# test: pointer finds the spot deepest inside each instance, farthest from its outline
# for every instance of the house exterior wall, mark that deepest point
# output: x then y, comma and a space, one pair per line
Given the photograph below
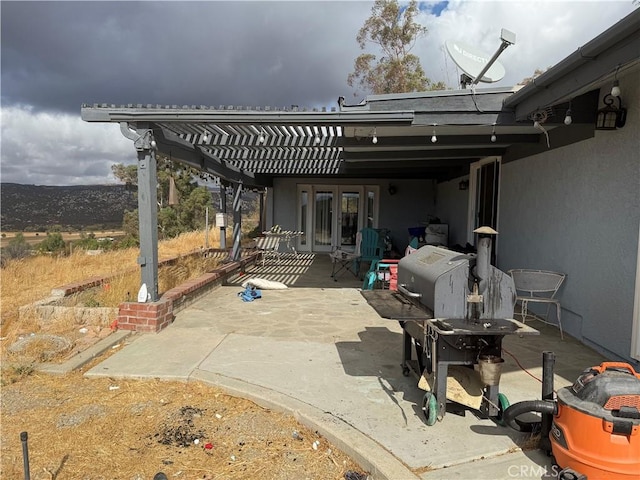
576, 210
412, 203
452, 207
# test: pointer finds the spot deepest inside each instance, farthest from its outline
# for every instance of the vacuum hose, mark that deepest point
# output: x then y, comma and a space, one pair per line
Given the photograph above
540, 406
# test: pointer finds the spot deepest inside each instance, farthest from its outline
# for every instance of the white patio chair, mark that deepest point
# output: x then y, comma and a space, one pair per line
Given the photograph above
269, 247
537, 286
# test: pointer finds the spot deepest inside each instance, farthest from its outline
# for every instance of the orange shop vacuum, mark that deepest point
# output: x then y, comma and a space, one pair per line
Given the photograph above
592, 428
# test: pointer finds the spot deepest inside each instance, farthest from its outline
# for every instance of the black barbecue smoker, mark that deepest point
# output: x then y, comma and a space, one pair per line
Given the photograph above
454, 310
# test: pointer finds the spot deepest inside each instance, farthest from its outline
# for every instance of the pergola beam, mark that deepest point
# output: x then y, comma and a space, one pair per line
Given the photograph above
181, 150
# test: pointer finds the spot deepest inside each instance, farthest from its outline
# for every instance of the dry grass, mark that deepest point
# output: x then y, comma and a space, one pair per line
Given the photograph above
29, 279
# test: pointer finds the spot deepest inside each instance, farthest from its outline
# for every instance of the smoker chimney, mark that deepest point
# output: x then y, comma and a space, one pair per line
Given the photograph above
483, 261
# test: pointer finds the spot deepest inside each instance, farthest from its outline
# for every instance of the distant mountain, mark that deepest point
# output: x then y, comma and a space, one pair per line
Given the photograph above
36, 207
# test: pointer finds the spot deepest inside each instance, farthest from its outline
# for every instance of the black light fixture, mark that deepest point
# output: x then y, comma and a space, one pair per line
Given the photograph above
392, 189
463, 185
611, 116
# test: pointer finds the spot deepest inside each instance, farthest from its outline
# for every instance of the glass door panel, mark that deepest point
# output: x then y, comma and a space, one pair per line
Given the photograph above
371, 219
303, 219
323, 224
349, 218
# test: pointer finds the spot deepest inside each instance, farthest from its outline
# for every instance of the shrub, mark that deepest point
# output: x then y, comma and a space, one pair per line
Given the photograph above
129, 241
17, 248
54, 243
87, 242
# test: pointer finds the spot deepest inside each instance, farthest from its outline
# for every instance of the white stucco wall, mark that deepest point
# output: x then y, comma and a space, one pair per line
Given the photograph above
576, 210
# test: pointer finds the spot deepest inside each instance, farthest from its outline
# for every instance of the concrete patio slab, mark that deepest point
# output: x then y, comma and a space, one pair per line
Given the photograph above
169, 355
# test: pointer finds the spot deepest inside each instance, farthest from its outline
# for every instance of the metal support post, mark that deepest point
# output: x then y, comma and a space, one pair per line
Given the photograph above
261, 226
223, 209
206, 228
237, 221
145, 145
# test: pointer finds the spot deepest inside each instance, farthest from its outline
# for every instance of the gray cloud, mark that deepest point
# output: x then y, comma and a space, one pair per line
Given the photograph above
57, 55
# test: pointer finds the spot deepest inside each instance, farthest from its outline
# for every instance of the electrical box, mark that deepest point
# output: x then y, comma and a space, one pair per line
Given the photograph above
221, 220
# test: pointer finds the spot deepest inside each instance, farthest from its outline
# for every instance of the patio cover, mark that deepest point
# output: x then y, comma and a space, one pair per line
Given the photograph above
253, 145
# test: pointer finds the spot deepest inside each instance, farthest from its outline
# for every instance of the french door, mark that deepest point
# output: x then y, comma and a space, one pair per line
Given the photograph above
330, 216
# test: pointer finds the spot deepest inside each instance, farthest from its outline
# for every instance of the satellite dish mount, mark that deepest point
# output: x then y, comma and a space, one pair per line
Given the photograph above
475, 64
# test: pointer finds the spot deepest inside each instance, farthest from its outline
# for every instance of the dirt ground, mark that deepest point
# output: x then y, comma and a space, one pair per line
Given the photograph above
81, 428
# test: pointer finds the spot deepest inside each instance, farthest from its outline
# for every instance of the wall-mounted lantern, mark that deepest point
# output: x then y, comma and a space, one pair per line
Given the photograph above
611, 116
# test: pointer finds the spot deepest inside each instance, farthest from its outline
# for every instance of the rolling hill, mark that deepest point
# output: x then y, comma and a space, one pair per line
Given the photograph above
37, 207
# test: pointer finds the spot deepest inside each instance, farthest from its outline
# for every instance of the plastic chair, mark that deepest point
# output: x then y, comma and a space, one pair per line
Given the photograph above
537, 286
371, 248
384, 273
343, 259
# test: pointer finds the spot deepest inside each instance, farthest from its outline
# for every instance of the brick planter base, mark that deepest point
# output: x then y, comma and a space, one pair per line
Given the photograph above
145, 317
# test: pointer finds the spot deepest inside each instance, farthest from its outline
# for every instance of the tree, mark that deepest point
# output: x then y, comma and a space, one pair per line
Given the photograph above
395, 31
173, 219
54, 243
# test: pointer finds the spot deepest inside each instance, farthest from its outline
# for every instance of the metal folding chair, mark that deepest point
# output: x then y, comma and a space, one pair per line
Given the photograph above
344, 260
269, 247
537, 286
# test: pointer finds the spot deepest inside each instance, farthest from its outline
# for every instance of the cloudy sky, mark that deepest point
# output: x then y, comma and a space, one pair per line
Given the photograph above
58, 55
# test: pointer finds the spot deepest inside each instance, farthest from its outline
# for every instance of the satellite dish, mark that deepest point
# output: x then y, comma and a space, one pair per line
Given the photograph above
472, 61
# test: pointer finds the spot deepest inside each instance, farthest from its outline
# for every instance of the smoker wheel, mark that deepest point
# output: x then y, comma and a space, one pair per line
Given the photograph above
503, 404
430, 408
406, 371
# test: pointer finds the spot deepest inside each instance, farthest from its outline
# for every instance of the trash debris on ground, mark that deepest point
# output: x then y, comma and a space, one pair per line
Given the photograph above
351, 475
249, 294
